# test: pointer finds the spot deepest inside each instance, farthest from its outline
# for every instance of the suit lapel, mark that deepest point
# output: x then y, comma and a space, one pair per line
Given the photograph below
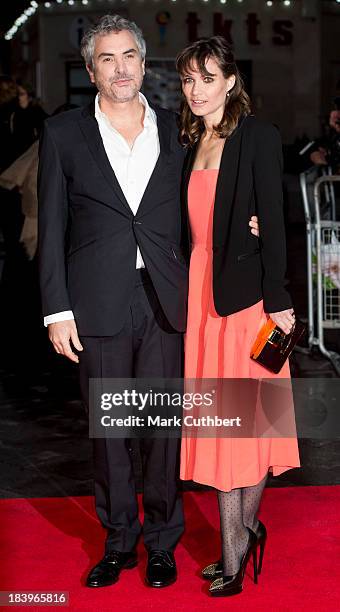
164, 135
227, 181
188, 164
90, 129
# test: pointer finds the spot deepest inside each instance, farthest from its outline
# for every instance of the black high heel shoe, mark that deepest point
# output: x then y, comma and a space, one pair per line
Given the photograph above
215, 570
261, 534
232, 585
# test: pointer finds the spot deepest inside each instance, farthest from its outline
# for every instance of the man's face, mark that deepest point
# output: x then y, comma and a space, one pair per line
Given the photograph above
118, 68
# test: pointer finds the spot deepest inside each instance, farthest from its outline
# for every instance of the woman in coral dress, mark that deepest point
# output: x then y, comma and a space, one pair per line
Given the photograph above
235, 283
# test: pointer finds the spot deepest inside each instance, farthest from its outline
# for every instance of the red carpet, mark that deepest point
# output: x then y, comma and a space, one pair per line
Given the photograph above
50, 544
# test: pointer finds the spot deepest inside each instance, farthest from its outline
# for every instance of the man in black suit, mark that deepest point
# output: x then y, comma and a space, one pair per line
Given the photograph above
114, 278
108, 181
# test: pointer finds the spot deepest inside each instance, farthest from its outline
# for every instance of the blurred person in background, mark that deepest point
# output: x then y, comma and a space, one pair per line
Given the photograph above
26, 119
21, 123
10, 215
8, 93
11, 218
19, 184
21, 119
20, 181
22, 175
326, 150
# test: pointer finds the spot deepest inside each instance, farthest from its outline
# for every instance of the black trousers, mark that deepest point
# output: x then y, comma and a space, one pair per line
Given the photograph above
147, 346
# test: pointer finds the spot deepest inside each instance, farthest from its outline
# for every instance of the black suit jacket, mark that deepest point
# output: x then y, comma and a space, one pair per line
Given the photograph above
88, 234
245, 268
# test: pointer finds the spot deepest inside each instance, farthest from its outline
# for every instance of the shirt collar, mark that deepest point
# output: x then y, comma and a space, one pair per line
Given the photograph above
150, 119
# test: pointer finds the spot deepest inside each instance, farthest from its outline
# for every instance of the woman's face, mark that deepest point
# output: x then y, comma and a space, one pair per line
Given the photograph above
206, 94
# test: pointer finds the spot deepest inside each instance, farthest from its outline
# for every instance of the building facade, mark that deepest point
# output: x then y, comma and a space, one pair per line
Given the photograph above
287, 51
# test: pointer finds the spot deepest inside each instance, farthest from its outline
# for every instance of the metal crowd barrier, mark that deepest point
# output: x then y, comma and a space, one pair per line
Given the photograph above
323, 257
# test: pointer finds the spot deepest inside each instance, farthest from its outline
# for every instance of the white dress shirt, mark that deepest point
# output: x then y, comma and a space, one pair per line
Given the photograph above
133, 168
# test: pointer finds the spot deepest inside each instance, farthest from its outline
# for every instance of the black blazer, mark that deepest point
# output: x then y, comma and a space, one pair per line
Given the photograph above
88, 234
245, 268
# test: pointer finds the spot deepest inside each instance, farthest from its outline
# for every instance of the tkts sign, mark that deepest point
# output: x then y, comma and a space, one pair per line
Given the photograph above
282, 33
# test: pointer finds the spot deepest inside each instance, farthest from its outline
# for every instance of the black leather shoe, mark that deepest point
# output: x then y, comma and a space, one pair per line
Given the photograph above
107, 571
215, 570
161, 569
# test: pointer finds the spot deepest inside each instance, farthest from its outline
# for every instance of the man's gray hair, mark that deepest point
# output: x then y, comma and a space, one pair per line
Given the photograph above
106, 25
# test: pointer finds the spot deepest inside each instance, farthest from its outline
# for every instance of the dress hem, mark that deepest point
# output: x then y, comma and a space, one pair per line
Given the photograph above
275, 469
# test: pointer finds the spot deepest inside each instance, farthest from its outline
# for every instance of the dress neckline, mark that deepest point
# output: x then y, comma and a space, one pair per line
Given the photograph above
206, 170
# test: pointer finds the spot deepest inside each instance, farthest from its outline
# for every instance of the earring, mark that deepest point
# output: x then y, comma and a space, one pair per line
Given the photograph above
228, 94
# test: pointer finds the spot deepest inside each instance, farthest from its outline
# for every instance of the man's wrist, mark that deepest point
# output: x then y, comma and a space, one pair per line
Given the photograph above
65, 315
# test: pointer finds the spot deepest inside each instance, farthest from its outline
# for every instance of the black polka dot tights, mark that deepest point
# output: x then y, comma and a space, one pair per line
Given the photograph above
238, 510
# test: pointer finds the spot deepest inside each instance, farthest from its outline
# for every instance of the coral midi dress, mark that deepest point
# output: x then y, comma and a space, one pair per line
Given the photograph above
219, 347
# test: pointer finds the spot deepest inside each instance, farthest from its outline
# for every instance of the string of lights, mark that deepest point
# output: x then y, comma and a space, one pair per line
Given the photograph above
34, 6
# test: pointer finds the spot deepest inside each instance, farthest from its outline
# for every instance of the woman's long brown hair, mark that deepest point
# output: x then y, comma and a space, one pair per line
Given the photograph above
237, 103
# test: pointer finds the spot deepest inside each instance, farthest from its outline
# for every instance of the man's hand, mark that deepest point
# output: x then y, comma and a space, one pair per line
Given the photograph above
284, 319
254, 224
319, 157
60, 335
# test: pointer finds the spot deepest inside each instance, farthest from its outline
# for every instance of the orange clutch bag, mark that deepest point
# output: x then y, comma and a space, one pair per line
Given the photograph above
272, 346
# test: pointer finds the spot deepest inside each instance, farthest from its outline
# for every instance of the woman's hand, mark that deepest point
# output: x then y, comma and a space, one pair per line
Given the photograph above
284, 319
254, 224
